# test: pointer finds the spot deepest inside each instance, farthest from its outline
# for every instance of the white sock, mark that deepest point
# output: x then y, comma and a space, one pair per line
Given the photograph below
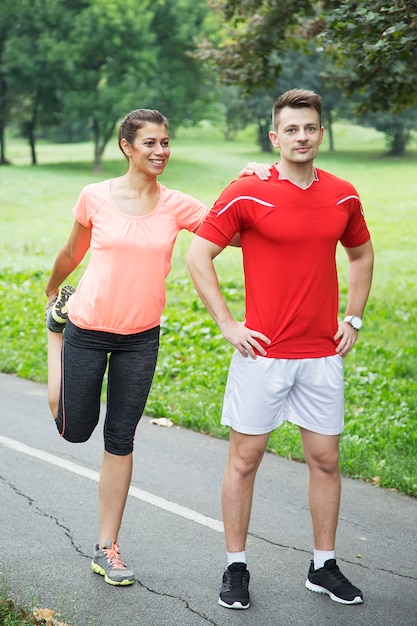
321, 556
236, 557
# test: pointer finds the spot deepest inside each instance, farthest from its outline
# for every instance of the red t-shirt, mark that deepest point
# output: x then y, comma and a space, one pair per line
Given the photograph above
289, 237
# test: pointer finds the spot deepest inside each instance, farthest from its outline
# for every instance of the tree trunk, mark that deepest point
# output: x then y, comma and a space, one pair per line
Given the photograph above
4, 111
98, 153
32, 142
99, 148
3, 160
329, 119
30, 133
263, 128
399, 141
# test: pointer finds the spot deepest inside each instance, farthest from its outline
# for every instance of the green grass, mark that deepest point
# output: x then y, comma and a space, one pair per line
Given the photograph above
10, 615
380, 442
13, 614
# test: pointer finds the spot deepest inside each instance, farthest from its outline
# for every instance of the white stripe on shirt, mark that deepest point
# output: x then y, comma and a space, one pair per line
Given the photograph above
243, 198
348, 198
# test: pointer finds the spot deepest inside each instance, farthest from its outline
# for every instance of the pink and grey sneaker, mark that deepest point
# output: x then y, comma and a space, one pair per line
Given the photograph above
107, 562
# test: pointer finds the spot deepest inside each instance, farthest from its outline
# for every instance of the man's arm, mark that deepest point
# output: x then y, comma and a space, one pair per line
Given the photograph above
361, 262
200, 264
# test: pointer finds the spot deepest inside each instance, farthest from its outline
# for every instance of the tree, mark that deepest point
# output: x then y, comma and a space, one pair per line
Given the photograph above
86, 54
235, 111
114, 62
7, 20
35, 64
397, 128
255, 36
183, 86
374, 42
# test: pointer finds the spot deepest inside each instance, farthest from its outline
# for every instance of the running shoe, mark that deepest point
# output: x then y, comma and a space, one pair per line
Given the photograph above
57, 314
329, 579
234, 593
108, 563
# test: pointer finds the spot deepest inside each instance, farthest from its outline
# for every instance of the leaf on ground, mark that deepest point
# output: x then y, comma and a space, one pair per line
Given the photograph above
161, 421
46, 617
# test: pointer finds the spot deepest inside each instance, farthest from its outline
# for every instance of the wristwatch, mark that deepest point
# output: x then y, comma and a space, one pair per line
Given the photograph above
354, 320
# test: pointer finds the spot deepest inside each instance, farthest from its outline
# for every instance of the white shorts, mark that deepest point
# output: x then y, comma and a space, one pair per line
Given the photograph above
262, 393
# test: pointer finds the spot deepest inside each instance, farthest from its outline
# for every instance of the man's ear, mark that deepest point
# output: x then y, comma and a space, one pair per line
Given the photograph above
273, 138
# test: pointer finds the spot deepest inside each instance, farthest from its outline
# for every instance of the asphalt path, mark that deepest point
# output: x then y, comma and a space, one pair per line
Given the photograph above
172, 532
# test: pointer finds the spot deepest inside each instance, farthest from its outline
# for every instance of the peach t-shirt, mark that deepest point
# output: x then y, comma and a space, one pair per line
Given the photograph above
123, 288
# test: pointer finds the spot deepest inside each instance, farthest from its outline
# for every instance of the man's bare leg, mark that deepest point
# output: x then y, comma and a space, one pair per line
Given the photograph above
322, 456
245, 455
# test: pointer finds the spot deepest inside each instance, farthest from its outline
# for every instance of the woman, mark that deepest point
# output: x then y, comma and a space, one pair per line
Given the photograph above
130, 225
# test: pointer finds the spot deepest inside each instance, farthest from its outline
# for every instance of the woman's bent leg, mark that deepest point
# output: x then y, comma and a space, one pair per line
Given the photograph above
84, 362
54, 370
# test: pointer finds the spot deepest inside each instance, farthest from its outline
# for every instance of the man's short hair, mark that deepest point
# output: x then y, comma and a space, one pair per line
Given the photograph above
296, 99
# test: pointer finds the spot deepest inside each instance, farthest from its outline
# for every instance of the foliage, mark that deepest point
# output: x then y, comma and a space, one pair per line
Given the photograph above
187, 93
61, 56
244, 55
87, 63
377, 41
111, 74
36, 63
7, 19
373, 42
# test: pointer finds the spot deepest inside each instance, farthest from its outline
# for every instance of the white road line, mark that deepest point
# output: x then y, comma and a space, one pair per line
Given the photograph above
145, 496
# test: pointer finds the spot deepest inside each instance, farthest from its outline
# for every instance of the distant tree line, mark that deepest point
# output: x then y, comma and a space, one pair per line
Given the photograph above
82, 64
69, 69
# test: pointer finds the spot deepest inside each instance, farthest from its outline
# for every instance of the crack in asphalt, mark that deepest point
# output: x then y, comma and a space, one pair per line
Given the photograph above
185, 603
308, 552
67, 533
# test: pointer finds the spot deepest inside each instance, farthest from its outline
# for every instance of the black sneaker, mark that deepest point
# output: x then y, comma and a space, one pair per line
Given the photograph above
234, 593
329, 579
56, 314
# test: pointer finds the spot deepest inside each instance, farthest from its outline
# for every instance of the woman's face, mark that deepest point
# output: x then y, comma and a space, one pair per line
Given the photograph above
150, 151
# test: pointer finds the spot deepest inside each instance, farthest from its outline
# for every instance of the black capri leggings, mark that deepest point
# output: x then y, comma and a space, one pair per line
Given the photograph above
131, 366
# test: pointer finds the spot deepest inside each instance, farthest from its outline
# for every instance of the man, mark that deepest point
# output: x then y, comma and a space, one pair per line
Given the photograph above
288, 362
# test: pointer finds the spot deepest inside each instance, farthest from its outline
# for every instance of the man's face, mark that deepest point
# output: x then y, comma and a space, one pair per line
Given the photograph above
298, 134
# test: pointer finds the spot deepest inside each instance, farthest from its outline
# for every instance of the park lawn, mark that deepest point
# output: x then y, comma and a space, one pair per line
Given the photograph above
380, 441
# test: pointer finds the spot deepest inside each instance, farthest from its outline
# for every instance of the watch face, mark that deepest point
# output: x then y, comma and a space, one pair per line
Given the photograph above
356, 322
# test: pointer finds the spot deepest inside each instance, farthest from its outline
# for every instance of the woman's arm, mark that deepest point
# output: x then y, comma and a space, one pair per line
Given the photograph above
68, 258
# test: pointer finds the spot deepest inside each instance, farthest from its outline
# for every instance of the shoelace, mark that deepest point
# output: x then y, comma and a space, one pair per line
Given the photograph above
114, 557
236, 577
335, 571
